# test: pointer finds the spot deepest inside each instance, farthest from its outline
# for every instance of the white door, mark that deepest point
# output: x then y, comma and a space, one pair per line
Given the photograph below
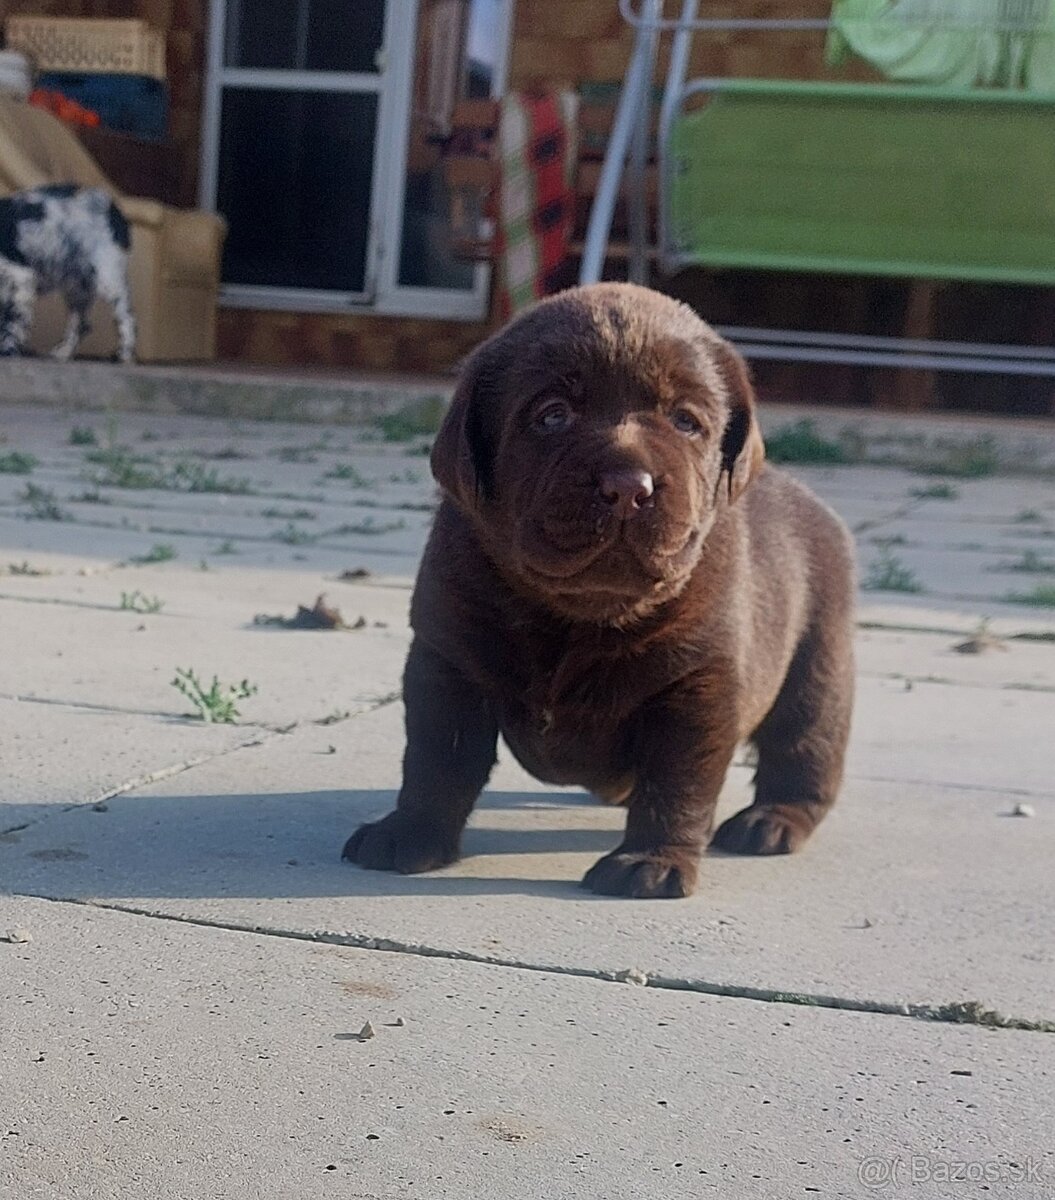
300, 104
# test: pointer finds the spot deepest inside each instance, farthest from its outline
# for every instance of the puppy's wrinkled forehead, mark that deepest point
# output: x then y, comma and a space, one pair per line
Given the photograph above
627, 346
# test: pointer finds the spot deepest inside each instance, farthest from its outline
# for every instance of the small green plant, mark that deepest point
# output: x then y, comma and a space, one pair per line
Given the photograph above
368, 526
158, 553
120, 468
409, 475
936, 491
226, 547
1030, 563
418, 418
348, 474
292, 536
24, 568
216, 705
1042, 596
82, 435
190, 476
16, 463
138, 602
290, 514
801, 443
43, 505
970, 460
90, 496
889, 574
1026, 516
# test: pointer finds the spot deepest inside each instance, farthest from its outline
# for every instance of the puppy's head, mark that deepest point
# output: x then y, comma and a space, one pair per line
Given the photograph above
592, 443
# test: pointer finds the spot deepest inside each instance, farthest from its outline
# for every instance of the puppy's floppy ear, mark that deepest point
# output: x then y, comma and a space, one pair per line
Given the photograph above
742, 448
461, 454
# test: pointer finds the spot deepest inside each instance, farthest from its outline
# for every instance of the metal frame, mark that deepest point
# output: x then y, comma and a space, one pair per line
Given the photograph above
394, 298
626, 139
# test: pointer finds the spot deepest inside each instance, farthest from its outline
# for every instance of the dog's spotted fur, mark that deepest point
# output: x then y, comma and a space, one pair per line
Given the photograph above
68, 239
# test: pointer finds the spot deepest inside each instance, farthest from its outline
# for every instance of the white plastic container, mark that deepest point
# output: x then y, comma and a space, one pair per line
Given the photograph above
16, 78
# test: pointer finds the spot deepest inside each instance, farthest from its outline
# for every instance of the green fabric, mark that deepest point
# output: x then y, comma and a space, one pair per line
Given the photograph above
868, 179
956, 43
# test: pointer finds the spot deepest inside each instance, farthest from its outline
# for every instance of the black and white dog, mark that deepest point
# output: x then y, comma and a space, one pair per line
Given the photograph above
69, 239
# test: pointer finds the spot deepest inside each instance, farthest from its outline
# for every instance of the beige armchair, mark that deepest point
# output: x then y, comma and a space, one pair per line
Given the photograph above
174, 268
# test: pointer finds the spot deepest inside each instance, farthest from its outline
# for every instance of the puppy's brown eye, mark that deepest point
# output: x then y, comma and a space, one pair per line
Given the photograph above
553, 416
685, 422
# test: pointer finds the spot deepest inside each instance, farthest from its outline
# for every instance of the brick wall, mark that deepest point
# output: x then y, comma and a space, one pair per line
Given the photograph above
577, 41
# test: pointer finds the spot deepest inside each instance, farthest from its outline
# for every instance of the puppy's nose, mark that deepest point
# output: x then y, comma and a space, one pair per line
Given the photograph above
627, 490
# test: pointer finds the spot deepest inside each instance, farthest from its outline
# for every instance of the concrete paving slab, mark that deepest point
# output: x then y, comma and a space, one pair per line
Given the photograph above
910, 892
300, 674
151, 1059
921, 657
56, 755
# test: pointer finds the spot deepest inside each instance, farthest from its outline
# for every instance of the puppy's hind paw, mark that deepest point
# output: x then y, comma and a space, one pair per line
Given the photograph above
660, 874
400, 843
765, 829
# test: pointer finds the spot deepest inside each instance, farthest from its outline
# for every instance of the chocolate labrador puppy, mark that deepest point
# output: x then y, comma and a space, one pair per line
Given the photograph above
617, 584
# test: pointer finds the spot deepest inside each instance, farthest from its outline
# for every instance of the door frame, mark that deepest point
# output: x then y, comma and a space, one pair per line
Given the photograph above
397, 50
384, 294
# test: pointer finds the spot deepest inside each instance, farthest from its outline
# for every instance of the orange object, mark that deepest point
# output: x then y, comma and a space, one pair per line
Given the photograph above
64, 108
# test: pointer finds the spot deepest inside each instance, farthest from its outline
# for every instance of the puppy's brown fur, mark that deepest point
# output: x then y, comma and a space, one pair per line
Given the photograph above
617, 584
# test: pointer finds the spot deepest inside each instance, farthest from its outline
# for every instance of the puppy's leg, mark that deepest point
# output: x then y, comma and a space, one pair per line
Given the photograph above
451, 741
113, 287
18, 294
77, 291
682, 751
801, 747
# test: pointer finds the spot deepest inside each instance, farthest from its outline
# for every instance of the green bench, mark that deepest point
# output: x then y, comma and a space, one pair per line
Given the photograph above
913, 182
924, 184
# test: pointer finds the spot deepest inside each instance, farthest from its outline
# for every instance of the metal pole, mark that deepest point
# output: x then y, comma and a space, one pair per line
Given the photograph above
677, 70
636, 83
636, 188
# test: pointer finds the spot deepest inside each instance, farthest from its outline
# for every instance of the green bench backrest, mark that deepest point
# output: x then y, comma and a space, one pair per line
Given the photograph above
867, 179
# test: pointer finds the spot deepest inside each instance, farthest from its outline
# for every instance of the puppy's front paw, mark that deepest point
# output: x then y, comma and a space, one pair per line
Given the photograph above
765, 829
400, 843
660, 874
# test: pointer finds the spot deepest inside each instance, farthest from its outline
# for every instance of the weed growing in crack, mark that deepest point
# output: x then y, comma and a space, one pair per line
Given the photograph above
889, 574
289, 514
82, 435
1029, 563
1042, 596
43, 504
138, 602
974, 459
190, 476
347, 473
24, 568
216, 705
801, 443
368, 526
158, 553
292, 536
936, 491
15, 462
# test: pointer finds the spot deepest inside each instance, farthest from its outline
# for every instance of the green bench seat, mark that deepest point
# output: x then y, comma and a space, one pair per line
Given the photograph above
870, 179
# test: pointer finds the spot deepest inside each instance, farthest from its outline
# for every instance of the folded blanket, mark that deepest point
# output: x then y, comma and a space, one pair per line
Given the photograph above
537, 150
